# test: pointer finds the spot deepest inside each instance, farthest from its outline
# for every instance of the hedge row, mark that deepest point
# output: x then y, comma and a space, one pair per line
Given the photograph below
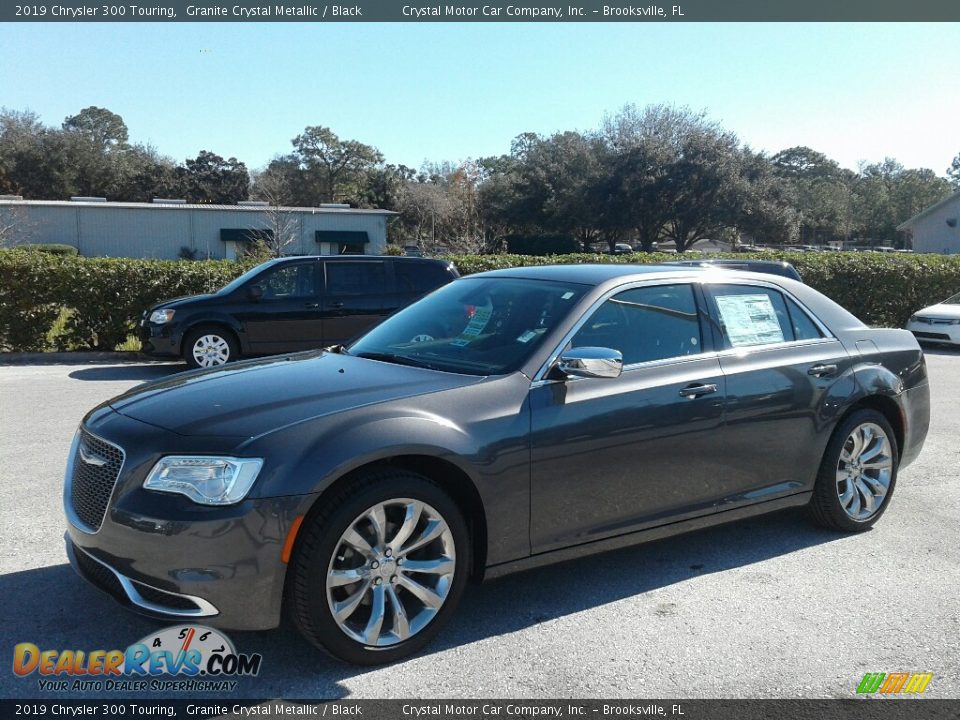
52, 301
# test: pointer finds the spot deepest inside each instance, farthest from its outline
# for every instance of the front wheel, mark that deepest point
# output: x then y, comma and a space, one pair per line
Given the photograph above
858, 473
208, 347
380, 569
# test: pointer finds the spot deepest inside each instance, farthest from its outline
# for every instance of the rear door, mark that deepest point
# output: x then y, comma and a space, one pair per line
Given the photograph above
353, 299
780, 363
288, 315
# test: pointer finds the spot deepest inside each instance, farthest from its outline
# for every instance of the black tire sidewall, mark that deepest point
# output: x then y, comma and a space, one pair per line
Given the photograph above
311, 563
830, 511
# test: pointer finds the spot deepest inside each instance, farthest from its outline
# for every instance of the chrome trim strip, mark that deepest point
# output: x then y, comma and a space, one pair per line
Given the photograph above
204, 608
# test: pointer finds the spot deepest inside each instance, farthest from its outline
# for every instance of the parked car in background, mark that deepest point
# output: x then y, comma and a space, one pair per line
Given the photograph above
289, 304
622, 249
772, 267
938, 323
510, 419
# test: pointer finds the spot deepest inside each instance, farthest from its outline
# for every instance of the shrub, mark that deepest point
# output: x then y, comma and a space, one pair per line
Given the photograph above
96, 303
52, 248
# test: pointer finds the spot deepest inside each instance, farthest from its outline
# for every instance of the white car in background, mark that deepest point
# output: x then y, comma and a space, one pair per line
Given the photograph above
938, 323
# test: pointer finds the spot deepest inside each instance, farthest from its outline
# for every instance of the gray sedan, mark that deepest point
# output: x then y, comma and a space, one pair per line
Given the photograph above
507, 420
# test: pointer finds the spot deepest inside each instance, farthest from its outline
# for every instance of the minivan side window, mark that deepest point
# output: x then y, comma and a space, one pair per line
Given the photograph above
645, 324
289, 281
355, 278
750, 316
418, 278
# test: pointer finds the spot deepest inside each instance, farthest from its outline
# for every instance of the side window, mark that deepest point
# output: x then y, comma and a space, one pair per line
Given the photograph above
289, 281
645, 324
355, 278
751, 316
803, 327
419, 278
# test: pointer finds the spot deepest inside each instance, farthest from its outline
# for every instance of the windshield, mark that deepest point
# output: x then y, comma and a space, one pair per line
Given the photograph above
477, 326
237, 282
953, 300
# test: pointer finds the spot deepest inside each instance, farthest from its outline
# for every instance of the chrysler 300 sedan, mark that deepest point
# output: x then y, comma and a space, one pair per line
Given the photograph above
509, 419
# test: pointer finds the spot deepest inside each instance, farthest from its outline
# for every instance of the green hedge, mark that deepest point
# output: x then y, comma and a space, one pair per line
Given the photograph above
50, 301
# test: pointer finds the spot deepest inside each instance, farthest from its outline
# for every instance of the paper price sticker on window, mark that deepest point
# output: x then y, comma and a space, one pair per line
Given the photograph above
749, 320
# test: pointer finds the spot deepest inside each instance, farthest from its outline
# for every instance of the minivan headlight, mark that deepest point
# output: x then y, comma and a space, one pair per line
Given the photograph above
162, 316
205, 480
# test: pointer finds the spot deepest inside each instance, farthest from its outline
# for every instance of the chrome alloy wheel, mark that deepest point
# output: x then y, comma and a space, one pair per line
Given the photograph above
210, 351
391, 572
864, 471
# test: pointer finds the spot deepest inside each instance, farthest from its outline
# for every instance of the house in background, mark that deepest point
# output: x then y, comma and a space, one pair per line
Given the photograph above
163, 228
936, 229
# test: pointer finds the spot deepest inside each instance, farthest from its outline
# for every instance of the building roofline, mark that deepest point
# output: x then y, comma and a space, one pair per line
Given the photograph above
933, 208
197, 206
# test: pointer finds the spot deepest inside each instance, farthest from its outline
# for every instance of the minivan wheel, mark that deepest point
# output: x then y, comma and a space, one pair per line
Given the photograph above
858, 473
379, 570
208, 347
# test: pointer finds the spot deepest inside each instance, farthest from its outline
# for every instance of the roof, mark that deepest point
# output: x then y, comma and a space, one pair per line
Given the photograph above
933, 208
198, 206
587, 274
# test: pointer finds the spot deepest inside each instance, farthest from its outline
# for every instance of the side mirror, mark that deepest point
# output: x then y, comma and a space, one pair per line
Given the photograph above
255, 292
591, 362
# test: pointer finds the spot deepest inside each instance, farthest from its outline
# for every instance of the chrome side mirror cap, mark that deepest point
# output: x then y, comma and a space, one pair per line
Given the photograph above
591, 362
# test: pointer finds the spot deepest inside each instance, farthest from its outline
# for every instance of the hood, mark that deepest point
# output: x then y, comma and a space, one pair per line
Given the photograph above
942, 310
174, 302
255, 397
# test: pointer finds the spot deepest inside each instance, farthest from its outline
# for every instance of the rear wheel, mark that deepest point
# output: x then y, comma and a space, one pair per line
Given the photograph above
210, 346
380, 569
858, 473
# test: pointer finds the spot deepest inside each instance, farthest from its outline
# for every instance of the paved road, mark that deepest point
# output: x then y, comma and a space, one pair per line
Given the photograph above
770, 607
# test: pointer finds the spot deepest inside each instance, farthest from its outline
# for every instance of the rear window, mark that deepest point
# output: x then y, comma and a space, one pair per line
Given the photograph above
355, 278
419, 278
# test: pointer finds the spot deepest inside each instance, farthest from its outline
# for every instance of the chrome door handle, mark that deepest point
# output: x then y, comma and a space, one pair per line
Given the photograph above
694, 391
821, 370
311, 305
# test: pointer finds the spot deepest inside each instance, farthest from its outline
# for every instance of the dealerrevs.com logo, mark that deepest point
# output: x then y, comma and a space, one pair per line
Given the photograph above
894, 683
204, 658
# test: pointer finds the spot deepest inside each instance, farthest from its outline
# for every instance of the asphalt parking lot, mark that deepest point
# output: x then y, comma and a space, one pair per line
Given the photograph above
770, 607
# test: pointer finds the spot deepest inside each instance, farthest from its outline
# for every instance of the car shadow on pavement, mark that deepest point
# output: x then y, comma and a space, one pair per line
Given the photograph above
53, 608
128, 372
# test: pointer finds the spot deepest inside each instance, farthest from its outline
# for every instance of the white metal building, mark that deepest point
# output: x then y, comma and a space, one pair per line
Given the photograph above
162, 228
936, 229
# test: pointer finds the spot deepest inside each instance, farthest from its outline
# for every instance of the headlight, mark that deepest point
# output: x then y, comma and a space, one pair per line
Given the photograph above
205, 480
162, 316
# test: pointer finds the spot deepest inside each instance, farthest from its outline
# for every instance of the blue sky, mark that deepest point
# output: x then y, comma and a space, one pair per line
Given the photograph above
451, 91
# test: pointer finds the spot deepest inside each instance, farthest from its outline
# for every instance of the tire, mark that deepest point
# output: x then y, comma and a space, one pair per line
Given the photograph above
342, 563
210, 346
858, 473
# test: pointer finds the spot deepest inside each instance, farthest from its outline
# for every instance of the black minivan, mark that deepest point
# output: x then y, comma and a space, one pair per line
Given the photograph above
289, 304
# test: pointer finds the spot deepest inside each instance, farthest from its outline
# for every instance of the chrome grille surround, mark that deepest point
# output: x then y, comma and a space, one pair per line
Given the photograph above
94, 469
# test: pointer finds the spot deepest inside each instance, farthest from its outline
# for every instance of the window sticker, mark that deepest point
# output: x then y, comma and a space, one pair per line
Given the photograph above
478, 322
749, 319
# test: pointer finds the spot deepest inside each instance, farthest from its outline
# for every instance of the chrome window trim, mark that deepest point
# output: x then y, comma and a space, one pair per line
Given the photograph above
72, 516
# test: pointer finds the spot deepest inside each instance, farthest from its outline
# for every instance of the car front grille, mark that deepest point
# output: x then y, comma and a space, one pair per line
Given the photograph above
164, 599
100, 576
96, 468
931, 335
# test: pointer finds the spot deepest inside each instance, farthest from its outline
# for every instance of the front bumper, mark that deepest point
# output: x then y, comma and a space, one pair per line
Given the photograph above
162, 340
933, 330
164, 556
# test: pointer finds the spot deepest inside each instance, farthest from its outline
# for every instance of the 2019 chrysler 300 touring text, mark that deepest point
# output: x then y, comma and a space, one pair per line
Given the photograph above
509, 419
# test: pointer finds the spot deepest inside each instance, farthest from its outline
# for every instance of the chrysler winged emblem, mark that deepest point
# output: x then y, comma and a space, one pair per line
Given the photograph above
91, 459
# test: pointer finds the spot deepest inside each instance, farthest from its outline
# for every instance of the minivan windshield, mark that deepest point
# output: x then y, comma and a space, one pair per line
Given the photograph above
952, 300
239, 281
476, 326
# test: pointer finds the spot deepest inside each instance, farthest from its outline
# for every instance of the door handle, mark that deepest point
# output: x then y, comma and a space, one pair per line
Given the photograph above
311, 305
820, 370
336, 305
694, 391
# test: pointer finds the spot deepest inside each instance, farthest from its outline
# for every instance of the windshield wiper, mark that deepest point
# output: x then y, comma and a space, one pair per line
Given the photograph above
397, 359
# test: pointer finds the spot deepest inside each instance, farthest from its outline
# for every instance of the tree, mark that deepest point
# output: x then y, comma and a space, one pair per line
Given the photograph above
282, 224
209, 178
104, 128
953, 173
821, 193
332, 167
